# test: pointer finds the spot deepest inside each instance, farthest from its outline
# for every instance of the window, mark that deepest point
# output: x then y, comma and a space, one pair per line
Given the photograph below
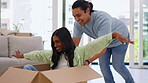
4, 5
35, 17
116, 8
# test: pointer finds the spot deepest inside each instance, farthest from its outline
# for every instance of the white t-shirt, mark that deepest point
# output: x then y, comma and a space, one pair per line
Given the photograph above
63, 63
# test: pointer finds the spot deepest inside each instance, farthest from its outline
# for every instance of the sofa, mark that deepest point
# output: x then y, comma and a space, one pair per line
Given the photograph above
8, 46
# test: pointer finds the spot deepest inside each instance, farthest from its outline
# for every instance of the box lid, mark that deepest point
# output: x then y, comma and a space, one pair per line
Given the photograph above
16, 75
71, 75
65, 75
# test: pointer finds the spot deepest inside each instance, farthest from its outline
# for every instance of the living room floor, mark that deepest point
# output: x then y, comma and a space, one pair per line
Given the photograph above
139, 75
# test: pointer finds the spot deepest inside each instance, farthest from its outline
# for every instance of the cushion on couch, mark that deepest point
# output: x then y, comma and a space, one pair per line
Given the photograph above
24, 44
3, 46
6, 62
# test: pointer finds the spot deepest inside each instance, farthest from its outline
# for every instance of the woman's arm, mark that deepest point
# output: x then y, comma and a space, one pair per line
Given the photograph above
41, 56
116, 35
90, 60
121, 38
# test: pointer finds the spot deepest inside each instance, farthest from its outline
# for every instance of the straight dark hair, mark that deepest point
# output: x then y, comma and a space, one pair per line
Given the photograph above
83, 5
68, 47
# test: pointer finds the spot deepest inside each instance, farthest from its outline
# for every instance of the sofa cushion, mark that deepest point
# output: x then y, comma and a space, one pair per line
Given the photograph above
3, 46
24, 44
6, 62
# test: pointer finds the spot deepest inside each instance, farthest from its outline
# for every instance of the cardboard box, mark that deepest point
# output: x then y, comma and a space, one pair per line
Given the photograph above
24, 34
79, 74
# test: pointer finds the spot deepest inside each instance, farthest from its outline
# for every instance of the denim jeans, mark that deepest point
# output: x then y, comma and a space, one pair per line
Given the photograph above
118, 55
30, 67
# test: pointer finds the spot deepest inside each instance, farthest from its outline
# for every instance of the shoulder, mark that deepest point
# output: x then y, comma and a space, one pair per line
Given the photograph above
79, 50
100, 14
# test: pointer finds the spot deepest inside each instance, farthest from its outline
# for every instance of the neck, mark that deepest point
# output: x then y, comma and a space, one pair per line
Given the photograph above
89, 18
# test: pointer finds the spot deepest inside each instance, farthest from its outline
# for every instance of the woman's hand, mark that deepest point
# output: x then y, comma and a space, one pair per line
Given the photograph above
86, 62
121, 38
18, 54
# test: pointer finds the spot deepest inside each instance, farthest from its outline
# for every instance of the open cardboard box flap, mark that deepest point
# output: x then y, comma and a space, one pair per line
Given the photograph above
66, 75
16, 75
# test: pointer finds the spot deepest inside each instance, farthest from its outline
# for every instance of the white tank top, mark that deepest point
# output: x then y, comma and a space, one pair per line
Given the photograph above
63, 63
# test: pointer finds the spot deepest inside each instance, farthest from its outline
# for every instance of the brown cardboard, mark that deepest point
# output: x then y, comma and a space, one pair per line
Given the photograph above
40, 67
79, 74
24, 34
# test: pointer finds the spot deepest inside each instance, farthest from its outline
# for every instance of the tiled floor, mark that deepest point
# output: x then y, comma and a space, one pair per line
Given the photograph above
139, 75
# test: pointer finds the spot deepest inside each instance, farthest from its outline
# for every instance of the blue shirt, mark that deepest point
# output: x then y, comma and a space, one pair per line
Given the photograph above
101, 24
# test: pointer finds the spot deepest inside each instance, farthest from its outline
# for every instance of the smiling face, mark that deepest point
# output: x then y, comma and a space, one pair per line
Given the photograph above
81, 16
57, 44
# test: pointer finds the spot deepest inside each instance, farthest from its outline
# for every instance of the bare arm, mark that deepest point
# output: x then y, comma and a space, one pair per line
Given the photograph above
76, 41
121, 38
95, 57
